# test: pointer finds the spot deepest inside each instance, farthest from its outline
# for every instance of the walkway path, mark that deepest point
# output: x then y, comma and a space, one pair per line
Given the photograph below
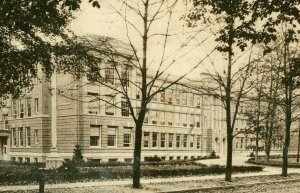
127, 182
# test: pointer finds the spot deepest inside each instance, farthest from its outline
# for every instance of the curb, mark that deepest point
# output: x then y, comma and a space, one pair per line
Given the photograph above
229, 186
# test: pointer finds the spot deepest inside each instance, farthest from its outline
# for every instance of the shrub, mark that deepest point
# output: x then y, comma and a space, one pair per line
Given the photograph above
154, 159
213, 154
252, 154
77, 156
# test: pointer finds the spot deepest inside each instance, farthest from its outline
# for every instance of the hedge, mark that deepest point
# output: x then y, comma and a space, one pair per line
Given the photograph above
73, 174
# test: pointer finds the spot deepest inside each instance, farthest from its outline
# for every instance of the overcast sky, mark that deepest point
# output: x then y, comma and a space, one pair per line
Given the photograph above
106, 22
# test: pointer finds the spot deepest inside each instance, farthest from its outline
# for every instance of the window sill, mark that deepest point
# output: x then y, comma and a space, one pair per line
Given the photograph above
95, 147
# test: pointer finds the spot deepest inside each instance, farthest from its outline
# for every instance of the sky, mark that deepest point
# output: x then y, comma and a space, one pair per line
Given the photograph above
106, 22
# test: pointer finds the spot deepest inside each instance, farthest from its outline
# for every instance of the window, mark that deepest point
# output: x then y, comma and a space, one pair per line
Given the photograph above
14, 109
154, 139
36, 105
95, 134
177, 97
177, 119
192, 140
35, 135
138, 90
28, 102
242, 141
28, 137
163, 140
137, 111
191, 99
21, 109
171, 136
153, 115
185, 140
93, 103
198, 142
146, 119
169, 96
169, 118
177, 140
21, 137
161, 117
124, 108
127, 140
154, 89
3, 101
109, 106
14, 137
128, 160
183, 118
162, 97
109, 75
191, 120
198, 101
125, 76
112, 137
127, 137
146, 139
183, 98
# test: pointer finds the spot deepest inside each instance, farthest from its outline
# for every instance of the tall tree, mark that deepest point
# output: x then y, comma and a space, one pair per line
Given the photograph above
236, 32
286, 17
133, 58
32, 32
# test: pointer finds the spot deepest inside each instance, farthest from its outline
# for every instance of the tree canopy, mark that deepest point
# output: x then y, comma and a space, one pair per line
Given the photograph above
32, 32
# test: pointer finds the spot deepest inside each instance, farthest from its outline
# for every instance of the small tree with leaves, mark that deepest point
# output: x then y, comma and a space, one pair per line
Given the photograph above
77, 155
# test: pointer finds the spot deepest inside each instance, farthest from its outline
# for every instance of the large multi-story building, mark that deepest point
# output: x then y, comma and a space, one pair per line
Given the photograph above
176, 126
181, 123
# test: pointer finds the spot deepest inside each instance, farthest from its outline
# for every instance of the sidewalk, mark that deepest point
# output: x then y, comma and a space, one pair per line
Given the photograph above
128, 182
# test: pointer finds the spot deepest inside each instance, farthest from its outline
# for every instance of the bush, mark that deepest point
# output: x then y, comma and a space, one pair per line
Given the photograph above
70, 173
77, 159
213, 154
154, 159
252, 154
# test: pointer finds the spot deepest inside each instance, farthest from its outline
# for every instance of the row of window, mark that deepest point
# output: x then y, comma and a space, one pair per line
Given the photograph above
172, 96
23, 107
110, 105
171, 118
96, 134
154, 139
24, 159
113, 78
171, 140
21, 136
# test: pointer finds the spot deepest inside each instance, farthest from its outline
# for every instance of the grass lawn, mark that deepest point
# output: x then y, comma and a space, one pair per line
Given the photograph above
276, 162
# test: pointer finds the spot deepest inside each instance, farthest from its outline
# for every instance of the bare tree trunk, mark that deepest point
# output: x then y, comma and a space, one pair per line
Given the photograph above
228, 119
287, 106
270, 136
298, 151
139, 123
137, 155
256, 144
286, 140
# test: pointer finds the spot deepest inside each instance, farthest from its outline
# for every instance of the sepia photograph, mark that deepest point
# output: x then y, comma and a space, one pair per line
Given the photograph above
149, 96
